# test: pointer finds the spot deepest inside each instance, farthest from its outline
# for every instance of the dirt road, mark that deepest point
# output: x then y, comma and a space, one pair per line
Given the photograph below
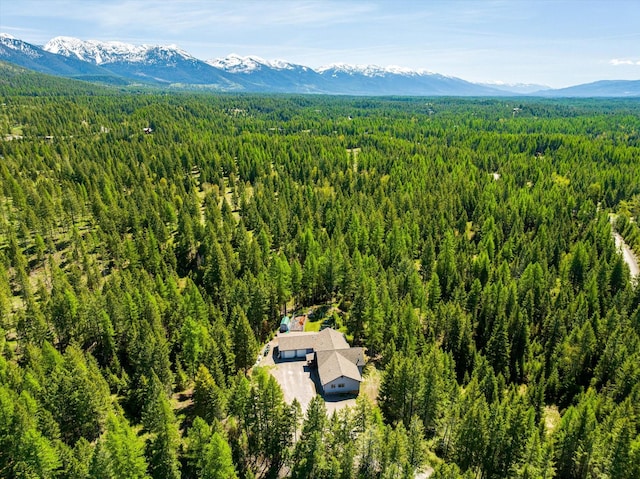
627, 255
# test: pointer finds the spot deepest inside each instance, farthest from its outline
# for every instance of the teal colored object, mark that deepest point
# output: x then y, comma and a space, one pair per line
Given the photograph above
284, 324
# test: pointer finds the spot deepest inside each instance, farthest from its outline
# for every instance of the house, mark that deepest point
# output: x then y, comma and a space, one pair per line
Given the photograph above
339, 365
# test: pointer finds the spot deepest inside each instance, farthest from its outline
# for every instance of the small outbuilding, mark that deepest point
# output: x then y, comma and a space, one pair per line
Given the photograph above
285, 324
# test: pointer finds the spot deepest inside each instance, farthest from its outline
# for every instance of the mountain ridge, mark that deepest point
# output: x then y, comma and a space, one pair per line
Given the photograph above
37, 59
170, 66
97, 52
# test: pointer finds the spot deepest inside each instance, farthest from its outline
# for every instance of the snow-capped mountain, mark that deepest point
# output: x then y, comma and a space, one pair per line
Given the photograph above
9, 42
102, 53
163, 65
336, 69
394, 80
234, 63
260, 75
169, 66
35, 58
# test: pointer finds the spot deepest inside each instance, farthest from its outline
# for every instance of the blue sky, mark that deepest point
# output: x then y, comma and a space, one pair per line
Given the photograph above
552, 42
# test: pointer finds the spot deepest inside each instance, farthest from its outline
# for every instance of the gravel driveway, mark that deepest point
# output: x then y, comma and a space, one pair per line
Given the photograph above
295, 380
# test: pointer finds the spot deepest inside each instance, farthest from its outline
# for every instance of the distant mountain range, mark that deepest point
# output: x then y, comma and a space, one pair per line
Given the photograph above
168, 66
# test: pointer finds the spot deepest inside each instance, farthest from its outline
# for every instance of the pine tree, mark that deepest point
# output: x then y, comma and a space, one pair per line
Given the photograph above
472, 431
162, 446
574, 438
446, 266
498, 347
119, 452
208, 398
310, 448
217, 462
245, 345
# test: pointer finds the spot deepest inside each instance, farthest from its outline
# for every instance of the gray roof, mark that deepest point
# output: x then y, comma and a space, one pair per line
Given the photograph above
326, 340
292, 341
335, 364
355, 355
329, 339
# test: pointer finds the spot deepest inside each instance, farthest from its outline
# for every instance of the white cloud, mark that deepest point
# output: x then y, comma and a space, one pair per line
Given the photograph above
616, 62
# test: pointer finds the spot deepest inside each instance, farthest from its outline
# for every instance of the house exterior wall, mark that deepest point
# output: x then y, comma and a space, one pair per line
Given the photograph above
341, 385
295, 353
288, 354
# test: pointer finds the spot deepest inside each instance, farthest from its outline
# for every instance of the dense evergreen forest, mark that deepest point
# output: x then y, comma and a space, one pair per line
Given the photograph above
466, 244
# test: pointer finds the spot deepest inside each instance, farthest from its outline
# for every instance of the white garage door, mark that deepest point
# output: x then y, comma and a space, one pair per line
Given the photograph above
288, 354
301, 353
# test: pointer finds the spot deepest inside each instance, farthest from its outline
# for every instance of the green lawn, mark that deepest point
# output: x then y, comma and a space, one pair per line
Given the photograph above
324, 316
313, 325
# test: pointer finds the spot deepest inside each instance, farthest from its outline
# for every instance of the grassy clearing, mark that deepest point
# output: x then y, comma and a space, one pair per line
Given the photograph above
371, 383
354, 152
59, 248
15, 133
325, 316
313, 325
551, 418
469, 232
